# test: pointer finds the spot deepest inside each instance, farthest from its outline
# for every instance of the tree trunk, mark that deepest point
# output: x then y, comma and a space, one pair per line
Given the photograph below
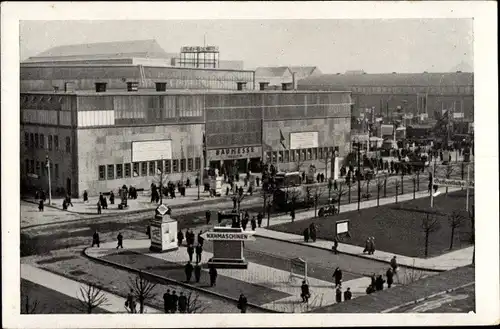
141, 306
413, 190
268, 217
396, 194
385, 188
315, 207
378, 195
349, 201
402, 192
452, 236
418, 181
426, 243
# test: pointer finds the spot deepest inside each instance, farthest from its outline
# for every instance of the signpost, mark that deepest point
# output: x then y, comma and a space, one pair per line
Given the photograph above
228, 246
298, 268
467, 184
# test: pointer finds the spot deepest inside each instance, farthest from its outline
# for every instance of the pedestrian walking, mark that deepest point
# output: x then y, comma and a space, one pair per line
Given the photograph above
242, 303
180, 237
40, 205
292, 214
337, 275
244, 223
104, 203
253, 222
335, 245
312, 232
111, 197
207, 216
200, 239
199, 250
306, 234
130, 302
173, 305
335, 186
305, 294
85, 196
372, 245
347, 294
197, 272
338, 295
95, 239
167, 301
379, 283
259, 219
394, 264
99, 208
257, 180
390, 277
190, 251
372, 278
182, 303
212, 272
188, 270
120, 241
367, 245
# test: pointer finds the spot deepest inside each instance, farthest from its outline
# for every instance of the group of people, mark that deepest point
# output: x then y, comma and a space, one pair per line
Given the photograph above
377, 282
369, 246
173, 302
310, 232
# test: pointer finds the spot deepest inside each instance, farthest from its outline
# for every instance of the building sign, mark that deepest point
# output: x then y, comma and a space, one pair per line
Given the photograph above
228, 236
452, 182
303, 140
151, 150
198, 49
235, 153
458, 115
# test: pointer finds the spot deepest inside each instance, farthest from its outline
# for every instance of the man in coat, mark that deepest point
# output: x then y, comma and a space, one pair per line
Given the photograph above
212, 272
337, 275
120, 240
242, 303
199, 250
182, 303
197, 272
207, 216
95, 239
338, 295
167, 301
188, 269
259, 219
180, 237
347, 294
190, 251
200, 239
305, 294
173, 305
390, 277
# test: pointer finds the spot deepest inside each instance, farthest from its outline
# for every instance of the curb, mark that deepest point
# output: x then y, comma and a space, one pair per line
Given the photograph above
352, 254
427, 297
185, 285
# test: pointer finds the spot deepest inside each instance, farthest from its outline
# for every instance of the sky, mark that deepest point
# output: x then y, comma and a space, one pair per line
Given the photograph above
334, 45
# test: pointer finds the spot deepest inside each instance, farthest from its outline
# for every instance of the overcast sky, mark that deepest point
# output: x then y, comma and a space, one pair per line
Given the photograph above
376, 46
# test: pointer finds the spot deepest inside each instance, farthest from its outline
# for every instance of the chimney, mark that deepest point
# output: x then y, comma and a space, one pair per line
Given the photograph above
132, 86
161, 86
100, 87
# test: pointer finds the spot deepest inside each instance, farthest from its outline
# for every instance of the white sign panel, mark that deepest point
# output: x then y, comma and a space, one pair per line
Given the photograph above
458, 115
303, 140
151, 150
342, 227
228, 236
452, 182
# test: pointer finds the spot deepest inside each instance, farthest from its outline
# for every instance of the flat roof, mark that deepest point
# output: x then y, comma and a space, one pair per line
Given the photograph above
152, 92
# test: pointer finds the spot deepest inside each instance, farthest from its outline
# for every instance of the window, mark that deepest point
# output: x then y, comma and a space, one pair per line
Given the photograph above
68, 144
280, 156
292, 155
183, 165
275, 156
144, 168
102, 172
127, 170
136, 169
26, 166
325, 152
56, 142
315, 154
303, 154
56, 171
320, 153
119, 171
111, 171
287, 156
36, 141
152, 168
37, 168
309, 154
42, 141
49, 139
197, 163
168, 166
32, 166
190, 164
175, 165
159, 165
26, 139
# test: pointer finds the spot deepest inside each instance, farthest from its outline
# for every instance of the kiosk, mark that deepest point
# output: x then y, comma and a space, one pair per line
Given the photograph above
163, 231
228, 246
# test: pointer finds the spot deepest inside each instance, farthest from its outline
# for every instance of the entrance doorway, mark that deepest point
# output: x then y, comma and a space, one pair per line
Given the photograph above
68, 186
255, 165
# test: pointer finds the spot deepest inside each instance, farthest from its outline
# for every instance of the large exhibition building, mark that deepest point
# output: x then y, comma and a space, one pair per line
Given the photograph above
104, 124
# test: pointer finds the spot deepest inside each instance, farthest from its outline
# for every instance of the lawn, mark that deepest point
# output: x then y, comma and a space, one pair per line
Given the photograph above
397, 228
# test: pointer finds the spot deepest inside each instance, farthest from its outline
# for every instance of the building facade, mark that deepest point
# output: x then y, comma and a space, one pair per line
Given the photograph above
418, 95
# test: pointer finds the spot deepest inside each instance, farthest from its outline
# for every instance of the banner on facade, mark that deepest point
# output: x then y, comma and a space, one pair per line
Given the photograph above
304, 140
234, 153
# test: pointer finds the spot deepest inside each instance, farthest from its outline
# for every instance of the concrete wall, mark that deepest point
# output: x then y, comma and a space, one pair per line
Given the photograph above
105, 146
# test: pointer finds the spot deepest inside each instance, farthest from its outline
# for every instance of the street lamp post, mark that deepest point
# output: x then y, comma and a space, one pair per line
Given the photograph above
47, 160
359, 173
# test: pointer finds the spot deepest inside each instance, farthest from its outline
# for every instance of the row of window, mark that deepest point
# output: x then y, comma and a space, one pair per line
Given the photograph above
39, 168
38, 141
432, 90
148, 168
318, 153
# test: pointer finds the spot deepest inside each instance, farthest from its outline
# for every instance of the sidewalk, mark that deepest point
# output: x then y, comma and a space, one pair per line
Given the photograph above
440, 263
267, 287
114, 304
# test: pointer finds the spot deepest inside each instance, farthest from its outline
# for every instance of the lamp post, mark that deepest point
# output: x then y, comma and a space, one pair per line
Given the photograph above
359, 172
47, 164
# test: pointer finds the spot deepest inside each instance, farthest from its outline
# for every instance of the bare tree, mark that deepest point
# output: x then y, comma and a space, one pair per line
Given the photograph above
414, 180
411, 275
455, 220
299, 162
397, 183
142, 289
349, 187
448, 171
430, 224
317, 192
292, 195
380, 183
267, 197
341, 191
90, 297
29, 306
194, 305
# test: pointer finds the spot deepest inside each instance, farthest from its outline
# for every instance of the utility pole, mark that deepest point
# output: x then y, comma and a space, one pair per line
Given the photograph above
359, 175
47, 160
467, 187
161, 181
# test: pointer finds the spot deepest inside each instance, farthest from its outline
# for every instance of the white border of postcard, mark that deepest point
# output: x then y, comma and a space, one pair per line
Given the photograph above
486, 134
